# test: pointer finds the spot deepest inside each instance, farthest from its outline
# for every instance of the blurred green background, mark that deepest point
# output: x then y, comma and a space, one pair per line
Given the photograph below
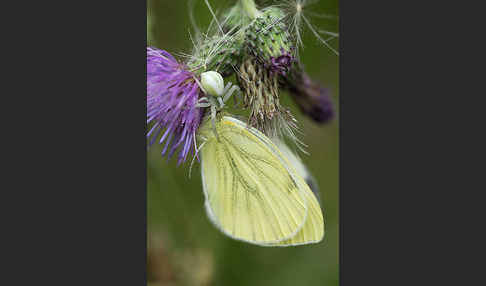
184, 248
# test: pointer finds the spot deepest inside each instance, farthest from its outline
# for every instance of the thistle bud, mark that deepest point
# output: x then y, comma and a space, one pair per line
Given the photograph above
268, 39
212, 82
219, 54
260, 88
312, 99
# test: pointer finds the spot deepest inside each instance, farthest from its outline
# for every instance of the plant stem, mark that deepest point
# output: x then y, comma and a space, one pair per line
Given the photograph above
250, 8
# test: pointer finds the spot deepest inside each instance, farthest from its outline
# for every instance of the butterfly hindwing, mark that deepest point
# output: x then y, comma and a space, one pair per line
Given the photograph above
252, 194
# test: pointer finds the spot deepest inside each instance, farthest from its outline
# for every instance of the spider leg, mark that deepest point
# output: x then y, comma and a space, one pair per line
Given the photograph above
227, 87
221, 103
213, 120
195, 155
203, 99
230, 92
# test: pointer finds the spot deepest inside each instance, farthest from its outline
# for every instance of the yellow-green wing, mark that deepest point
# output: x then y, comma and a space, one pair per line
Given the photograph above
298, 165
251, 195
313, 229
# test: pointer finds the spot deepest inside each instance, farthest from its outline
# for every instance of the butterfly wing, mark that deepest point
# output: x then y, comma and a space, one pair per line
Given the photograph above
298, 165
313, 230
251, 195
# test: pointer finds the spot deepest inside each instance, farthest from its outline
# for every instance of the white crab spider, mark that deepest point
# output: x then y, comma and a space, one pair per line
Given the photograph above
216, 94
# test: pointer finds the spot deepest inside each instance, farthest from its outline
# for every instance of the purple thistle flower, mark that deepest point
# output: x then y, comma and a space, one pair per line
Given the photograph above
172, 95
282, 63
